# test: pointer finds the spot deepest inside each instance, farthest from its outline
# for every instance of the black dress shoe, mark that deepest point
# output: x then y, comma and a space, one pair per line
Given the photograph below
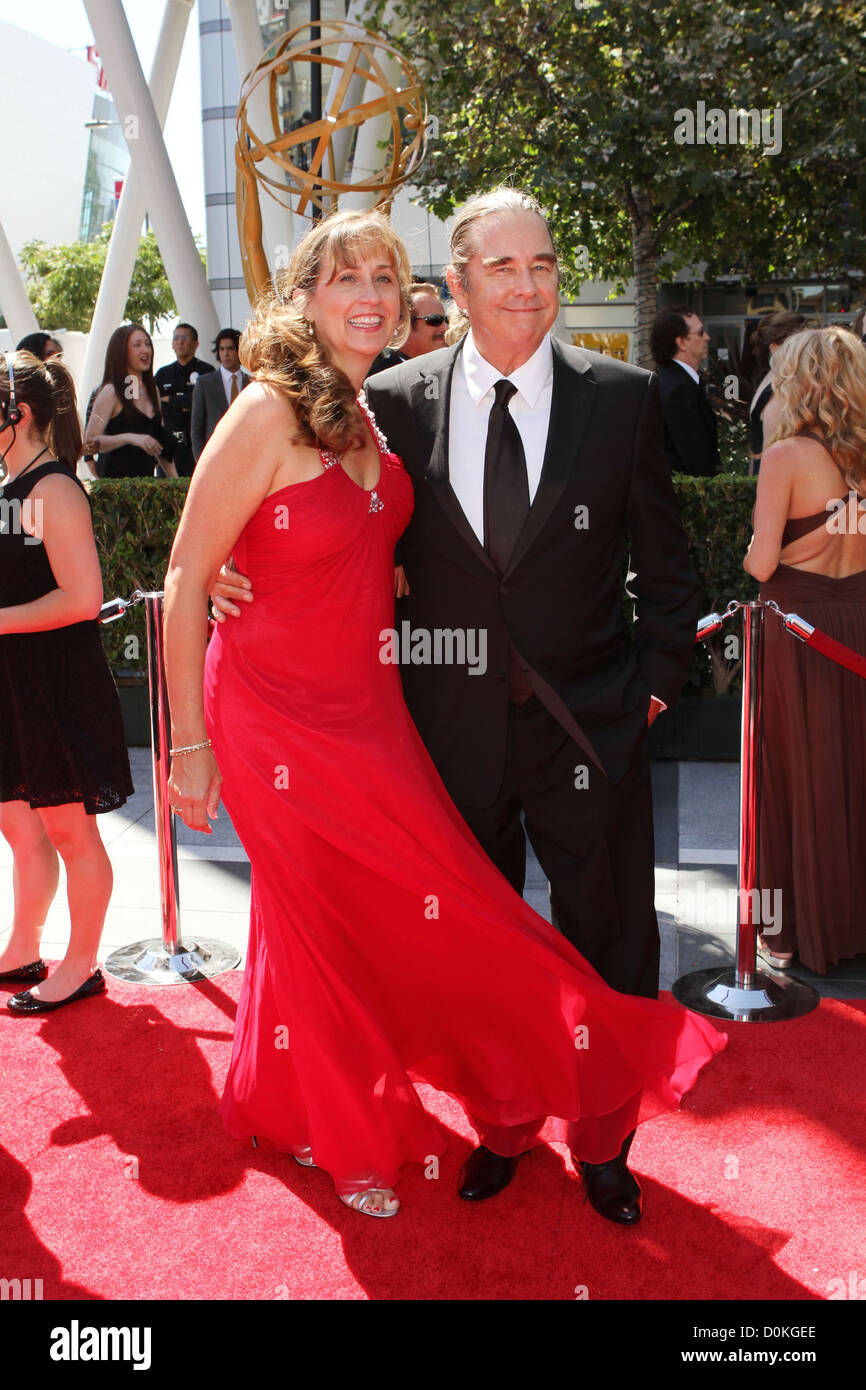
611, 1188
26, 1003
29, 974
485, 1173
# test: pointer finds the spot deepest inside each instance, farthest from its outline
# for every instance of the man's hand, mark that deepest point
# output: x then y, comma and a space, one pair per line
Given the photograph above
229, 589
401, 588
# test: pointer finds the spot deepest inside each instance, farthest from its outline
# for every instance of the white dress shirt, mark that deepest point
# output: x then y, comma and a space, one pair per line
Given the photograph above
472, 397
686, 366
228, 378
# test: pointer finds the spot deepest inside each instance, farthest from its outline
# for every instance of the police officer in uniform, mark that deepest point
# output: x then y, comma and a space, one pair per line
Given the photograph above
176, 384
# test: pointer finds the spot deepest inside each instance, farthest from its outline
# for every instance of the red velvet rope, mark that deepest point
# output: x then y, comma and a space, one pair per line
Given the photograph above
838, 652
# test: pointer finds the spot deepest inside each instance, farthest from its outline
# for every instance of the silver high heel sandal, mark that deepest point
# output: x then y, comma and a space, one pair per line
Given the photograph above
777, 962
302, 1156
363, 1201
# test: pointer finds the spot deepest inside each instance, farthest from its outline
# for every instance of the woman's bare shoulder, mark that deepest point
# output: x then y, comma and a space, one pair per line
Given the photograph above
264, 402
66, 491
784, 453
105, 399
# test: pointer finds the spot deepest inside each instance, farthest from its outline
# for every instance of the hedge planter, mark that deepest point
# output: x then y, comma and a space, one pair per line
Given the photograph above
135, 708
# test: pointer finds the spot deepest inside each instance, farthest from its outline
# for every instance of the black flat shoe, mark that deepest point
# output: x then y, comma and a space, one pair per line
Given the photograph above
26, 1004
28, 974
485, 1173
611, 1188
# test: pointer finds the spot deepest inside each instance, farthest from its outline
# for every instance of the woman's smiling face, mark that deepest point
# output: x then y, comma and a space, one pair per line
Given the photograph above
355, 309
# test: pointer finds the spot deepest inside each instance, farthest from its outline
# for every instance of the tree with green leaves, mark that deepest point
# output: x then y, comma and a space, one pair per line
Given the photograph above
585, 103
63, 282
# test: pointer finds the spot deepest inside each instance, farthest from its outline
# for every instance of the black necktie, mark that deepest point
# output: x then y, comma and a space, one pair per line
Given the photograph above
506, 486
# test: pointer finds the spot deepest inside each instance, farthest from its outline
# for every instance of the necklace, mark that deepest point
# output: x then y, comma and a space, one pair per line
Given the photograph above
26, 466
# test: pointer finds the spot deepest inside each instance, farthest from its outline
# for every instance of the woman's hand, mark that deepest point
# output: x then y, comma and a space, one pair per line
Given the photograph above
168, 467
147, 443
228, 590
194, 789
401, 588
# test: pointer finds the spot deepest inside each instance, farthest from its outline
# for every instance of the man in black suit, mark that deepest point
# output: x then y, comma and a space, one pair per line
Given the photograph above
679, 344
531, 460
214, 394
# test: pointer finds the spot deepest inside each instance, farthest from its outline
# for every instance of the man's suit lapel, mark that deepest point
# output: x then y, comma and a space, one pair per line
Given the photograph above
571, 403
432, 409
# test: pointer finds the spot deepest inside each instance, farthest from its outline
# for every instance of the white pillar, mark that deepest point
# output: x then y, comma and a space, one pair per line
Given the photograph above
123, 247
220, 81
148, 155
17, 309
247, 36
369, 159
354, 92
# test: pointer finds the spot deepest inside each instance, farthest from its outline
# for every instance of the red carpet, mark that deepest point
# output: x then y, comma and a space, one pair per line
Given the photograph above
754, 1189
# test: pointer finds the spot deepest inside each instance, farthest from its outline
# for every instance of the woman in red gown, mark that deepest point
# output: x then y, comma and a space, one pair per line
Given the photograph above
385, 948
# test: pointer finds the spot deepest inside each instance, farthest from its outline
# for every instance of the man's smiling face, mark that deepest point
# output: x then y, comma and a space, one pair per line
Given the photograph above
510, 287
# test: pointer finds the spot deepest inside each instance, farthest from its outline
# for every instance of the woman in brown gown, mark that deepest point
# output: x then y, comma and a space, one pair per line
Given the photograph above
809, 554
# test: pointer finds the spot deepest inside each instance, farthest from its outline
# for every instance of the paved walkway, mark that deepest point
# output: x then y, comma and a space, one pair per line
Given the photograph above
696, 809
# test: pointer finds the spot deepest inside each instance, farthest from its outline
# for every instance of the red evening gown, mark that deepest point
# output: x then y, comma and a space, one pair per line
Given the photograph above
384, 946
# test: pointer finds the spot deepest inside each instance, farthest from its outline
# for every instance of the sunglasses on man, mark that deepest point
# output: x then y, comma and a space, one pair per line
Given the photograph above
434, 320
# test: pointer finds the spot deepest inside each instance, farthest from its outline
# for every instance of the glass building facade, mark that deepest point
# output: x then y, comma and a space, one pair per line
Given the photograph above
107, 162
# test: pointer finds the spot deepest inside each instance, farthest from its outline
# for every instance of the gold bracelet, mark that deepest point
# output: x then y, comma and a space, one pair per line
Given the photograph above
193, 748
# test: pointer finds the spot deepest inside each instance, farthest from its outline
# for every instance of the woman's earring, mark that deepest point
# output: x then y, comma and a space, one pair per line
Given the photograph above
310, 333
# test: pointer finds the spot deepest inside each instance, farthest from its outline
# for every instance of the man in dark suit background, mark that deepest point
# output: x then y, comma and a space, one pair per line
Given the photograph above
530, 460
679, 344
214, 394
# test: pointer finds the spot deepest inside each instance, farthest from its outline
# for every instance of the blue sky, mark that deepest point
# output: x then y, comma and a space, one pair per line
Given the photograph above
65, 23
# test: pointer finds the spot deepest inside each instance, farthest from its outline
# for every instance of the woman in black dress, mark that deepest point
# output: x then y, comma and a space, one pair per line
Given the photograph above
125, 425
62, 747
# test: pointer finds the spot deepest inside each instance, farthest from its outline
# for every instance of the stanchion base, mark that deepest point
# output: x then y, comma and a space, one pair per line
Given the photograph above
771, 998
149, 963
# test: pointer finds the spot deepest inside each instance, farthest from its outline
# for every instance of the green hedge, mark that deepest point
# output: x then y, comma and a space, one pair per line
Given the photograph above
716, 515
135, 520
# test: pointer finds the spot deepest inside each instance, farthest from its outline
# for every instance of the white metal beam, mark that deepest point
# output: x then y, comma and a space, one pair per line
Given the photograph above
123, 247
17, 309
135, 109
247, 37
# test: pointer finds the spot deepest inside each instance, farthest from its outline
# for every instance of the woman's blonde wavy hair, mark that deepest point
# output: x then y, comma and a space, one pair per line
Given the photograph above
819, 377
276, 345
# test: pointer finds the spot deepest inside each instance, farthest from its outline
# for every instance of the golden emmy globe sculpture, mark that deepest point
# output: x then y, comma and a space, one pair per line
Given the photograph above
306, 191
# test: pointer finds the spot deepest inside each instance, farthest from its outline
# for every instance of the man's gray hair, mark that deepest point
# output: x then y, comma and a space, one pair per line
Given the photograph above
498, 200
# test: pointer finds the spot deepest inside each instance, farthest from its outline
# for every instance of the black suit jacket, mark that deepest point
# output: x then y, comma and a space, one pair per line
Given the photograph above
691, 432
560, 601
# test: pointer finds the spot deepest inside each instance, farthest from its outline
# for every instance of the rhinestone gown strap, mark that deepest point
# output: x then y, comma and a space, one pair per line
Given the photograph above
329, 458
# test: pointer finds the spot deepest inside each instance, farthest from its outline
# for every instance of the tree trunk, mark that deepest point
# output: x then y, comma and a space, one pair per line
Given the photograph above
643, 240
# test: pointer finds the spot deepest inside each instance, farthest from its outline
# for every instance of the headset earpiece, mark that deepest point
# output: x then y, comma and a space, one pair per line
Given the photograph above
12, 412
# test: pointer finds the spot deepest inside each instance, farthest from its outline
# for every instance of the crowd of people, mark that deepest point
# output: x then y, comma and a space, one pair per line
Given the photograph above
363, 791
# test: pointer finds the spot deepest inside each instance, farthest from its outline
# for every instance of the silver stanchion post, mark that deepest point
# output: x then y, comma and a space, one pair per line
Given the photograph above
745, 994
167, 961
